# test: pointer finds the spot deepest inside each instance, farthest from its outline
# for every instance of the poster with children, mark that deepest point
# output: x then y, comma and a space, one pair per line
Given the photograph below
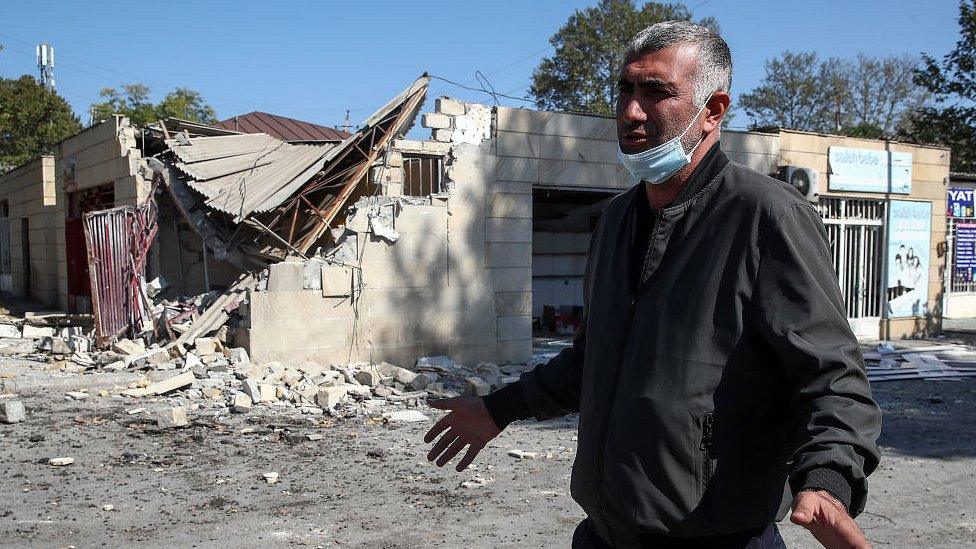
909, 237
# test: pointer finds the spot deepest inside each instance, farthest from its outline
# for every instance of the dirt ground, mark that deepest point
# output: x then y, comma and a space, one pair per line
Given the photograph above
367, 484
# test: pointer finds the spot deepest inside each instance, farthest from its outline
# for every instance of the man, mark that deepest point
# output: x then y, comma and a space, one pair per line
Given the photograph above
715, 365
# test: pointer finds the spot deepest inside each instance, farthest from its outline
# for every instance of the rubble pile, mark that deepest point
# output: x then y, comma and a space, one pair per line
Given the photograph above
211, 374
943, 362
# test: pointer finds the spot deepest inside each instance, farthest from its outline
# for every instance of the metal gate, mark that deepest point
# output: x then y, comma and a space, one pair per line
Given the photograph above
855, 231
117, 241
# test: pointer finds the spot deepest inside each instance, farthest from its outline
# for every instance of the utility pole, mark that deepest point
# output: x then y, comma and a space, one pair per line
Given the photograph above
346, 126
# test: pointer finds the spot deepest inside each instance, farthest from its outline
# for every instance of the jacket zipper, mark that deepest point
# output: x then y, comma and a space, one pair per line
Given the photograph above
630, 320
708, 435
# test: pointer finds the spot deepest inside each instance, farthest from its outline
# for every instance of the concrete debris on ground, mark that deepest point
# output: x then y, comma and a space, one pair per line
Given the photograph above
199, 368
61, 461
12, 411
944, 362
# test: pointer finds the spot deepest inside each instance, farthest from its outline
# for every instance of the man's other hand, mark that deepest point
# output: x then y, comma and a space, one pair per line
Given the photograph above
468, 424
827, 520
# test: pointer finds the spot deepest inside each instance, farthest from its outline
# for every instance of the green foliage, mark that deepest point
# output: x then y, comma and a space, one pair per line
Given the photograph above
950, 118
582, 74
32, 120
132, 100
864, 97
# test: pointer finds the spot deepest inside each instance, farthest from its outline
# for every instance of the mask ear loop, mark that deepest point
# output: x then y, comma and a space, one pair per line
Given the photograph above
702, 138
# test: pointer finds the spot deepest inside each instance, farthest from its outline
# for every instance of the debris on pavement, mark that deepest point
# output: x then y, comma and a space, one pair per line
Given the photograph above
61, 461
12, 411
946, 362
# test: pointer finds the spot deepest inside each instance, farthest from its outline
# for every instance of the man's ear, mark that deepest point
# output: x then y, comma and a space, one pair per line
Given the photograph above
715, 109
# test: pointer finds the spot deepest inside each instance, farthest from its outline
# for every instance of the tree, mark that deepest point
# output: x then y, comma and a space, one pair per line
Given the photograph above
582, 74
865, 97
950, 118
132, 101
32, 120
790, 95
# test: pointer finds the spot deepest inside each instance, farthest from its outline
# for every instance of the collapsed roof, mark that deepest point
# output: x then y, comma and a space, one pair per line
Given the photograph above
254, 198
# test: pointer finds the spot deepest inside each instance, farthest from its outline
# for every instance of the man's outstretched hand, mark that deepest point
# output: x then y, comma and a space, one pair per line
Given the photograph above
827, 520
468, 424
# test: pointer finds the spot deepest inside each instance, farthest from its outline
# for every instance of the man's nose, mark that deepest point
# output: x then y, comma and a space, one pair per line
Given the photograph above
631, 111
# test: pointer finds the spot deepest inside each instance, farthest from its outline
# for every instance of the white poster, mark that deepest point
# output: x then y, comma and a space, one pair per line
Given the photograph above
869, 171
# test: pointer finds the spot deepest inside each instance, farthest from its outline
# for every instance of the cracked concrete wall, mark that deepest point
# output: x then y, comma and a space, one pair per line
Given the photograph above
445, 285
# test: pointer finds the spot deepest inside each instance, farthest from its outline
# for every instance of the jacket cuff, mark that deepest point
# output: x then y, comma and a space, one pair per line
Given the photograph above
507, 404
831, 481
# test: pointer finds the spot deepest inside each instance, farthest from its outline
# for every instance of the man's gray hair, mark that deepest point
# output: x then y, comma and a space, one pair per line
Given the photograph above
714, 58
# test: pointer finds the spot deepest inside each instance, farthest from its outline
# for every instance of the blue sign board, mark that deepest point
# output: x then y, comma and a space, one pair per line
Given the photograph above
960, 202
964, 254
909, 237
869, 171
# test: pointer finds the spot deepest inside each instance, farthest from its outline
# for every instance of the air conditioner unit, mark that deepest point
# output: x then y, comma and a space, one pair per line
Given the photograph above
805, 180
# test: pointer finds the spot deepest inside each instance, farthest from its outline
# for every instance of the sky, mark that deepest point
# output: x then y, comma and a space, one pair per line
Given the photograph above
315, 60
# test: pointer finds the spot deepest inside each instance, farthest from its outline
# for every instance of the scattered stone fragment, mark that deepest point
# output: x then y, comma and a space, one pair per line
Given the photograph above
238, 355
313, 436
171, 384
9, 330
268, 392
172, 417
476, 386
36, 332
369, 377
127, 347
241, 403
135, 411
12, 411
271, 477
437, 363
77, 395
475, 482
61, 461
405, 416
108, 507
521, 454
252, 390
382, 391
329, 397
213, 393
422, 380
116, 366
206, 346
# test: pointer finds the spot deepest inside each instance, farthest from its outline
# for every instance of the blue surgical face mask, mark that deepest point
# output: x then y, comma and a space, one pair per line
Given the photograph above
658, 164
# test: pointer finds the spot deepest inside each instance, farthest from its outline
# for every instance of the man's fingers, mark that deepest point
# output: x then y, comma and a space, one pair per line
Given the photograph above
469, 456
451, 451
446, 438
438, 427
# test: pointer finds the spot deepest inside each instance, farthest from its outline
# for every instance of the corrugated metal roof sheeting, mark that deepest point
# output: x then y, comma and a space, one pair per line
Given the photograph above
282, 127
241, 174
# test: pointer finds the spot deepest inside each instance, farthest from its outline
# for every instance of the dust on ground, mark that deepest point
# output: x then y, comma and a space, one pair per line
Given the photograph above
368, 484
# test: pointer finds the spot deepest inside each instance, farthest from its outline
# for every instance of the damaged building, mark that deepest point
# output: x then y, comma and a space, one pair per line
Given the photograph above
303, 244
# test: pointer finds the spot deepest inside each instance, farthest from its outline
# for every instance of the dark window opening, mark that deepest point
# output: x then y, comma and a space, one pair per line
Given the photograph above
422, 174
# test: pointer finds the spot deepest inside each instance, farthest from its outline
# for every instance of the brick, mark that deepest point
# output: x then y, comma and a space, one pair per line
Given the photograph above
12, 411
507, 254
252, 390
513, 303
449, 106
436, 121
179, 381
476, 386
286, 276
172, 417
240, 403
509, 230
9, 330
36, 332
329, 397
511, 279
444, 136
206, 346
336, 281
510, 205
267, 392
524, 145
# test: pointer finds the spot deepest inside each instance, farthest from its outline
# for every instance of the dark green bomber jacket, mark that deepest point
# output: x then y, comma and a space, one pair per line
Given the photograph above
729, 379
